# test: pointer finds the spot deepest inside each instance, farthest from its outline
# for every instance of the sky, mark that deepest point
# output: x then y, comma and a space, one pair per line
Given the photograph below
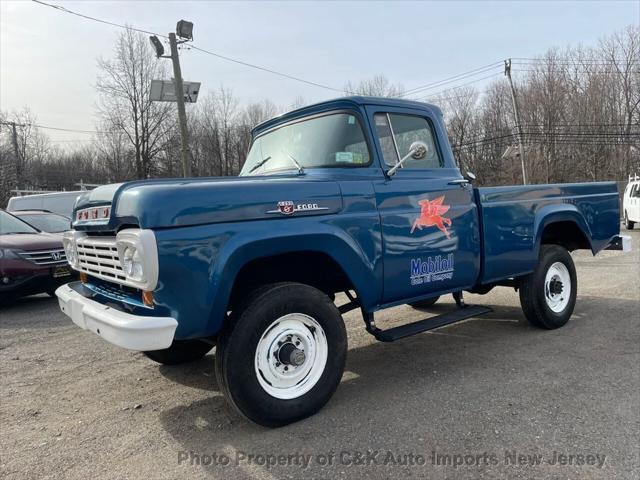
48, 59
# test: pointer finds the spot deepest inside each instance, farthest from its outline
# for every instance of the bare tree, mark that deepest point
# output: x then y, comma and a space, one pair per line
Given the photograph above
378, 86
125, 104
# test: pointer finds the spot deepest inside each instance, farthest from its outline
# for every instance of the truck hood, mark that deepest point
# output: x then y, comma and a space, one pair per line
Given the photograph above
185, 202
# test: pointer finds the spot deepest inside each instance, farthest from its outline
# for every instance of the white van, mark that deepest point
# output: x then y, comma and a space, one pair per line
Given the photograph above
58, 202
631, 202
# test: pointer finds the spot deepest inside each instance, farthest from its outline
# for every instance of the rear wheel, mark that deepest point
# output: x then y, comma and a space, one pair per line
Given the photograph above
283, 355
180, 351
422, 304
548, 295
628, 223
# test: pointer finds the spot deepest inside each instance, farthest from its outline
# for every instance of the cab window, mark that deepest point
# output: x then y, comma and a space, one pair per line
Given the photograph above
397, 132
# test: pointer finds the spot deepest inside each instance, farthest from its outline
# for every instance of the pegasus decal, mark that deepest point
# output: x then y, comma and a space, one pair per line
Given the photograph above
431, 212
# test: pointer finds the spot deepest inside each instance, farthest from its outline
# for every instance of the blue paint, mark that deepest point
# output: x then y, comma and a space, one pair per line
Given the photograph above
207, 229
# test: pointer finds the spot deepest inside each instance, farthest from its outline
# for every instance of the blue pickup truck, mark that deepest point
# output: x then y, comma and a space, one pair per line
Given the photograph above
356, 195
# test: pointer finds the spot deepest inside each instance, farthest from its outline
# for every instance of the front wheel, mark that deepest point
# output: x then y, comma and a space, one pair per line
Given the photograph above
548, 295
283, 354
628, 224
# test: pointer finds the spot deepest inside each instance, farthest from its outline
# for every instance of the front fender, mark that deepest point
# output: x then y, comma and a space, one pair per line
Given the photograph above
364, 269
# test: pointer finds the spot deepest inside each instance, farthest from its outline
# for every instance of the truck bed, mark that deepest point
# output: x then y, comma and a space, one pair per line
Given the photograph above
512, 221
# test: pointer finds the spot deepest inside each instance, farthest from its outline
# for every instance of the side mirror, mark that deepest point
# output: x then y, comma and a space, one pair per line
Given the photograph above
470, 176
417, 150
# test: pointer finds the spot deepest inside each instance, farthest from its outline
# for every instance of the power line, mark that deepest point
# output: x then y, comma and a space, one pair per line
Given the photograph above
87, 17
460, 76
594, 61
434, 95
209, 52
268, 70
60, 129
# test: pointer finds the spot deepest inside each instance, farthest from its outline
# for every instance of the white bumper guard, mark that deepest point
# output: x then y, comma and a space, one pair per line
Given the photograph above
134, 332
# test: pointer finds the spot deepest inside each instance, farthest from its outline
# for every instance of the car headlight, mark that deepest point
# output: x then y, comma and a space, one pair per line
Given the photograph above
70, 248
139, 257
8, 254
132, 264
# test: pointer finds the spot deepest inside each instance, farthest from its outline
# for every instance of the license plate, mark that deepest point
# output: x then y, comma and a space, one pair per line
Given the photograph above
61, 272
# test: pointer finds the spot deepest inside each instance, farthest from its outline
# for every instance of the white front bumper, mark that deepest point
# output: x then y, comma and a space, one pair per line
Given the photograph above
134, 332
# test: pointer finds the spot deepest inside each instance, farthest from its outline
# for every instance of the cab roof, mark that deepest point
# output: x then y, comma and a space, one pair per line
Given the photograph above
344, 102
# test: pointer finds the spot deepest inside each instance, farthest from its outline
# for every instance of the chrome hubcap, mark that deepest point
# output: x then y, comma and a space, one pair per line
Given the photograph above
557, 287
291, 356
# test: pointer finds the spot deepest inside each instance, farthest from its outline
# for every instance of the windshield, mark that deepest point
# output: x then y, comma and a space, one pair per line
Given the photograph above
334, 140
10, 224
47, 222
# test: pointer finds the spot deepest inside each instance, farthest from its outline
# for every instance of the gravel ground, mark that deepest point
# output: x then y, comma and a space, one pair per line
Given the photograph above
486, 398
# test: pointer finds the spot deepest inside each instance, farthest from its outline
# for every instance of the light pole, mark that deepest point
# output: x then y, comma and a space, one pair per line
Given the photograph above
184, 30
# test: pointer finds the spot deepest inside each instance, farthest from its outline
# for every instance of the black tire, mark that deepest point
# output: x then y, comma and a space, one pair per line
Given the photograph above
628, 224
423, 304
180, 351
535, 293
236, 368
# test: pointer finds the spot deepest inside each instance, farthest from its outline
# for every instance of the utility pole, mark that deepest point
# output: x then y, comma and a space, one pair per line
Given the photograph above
182, 114
18, 170
507, 72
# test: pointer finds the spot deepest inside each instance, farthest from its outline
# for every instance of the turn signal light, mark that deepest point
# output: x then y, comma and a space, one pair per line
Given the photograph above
147, 298
83, 277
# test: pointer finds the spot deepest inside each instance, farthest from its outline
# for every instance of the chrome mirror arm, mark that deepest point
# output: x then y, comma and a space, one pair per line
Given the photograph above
417, 150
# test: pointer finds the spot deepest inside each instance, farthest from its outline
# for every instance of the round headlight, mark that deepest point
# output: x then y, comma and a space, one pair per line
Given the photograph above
71, 253
132, 264
70, 250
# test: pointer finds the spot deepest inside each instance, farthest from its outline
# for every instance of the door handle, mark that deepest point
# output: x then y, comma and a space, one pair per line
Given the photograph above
461, 181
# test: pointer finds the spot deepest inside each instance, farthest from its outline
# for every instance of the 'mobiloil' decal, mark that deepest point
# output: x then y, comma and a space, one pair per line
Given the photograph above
431, 269
431, 212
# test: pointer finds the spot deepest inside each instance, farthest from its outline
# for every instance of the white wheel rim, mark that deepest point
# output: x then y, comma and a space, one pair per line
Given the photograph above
557, 287
288, 381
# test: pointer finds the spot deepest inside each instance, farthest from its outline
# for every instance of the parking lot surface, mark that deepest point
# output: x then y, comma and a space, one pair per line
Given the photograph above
487, 398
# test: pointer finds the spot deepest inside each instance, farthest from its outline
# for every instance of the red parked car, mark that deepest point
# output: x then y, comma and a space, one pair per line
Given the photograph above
31, 261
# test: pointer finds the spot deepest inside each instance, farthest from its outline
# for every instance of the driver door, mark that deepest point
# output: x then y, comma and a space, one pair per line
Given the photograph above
429, 218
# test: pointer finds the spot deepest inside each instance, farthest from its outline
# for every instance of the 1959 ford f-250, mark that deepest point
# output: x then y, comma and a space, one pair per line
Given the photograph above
356, 195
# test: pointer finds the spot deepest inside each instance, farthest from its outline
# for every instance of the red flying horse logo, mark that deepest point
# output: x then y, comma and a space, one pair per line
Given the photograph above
431, 212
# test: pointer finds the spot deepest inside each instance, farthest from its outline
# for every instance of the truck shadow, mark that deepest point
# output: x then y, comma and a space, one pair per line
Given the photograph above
208, 425
455, 368
199, 374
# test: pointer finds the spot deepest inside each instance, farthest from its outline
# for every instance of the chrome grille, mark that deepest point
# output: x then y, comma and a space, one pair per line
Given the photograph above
45, 257
98, 256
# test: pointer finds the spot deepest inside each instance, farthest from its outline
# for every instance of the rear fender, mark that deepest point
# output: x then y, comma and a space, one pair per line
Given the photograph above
551, 214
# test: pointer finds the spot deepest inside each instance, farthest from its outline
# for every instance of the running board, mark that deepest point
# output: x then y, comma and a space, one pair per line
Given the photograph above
403, 331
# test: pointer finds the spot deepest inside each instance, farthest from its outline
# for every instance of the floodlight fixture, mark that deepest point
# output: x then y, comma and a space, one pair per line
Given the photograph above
184, 29
157, 45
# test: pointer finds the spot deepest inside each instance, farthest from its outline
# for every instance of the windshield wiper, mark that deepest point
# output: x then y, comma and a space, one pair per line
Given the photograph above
259, 164
295, 162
